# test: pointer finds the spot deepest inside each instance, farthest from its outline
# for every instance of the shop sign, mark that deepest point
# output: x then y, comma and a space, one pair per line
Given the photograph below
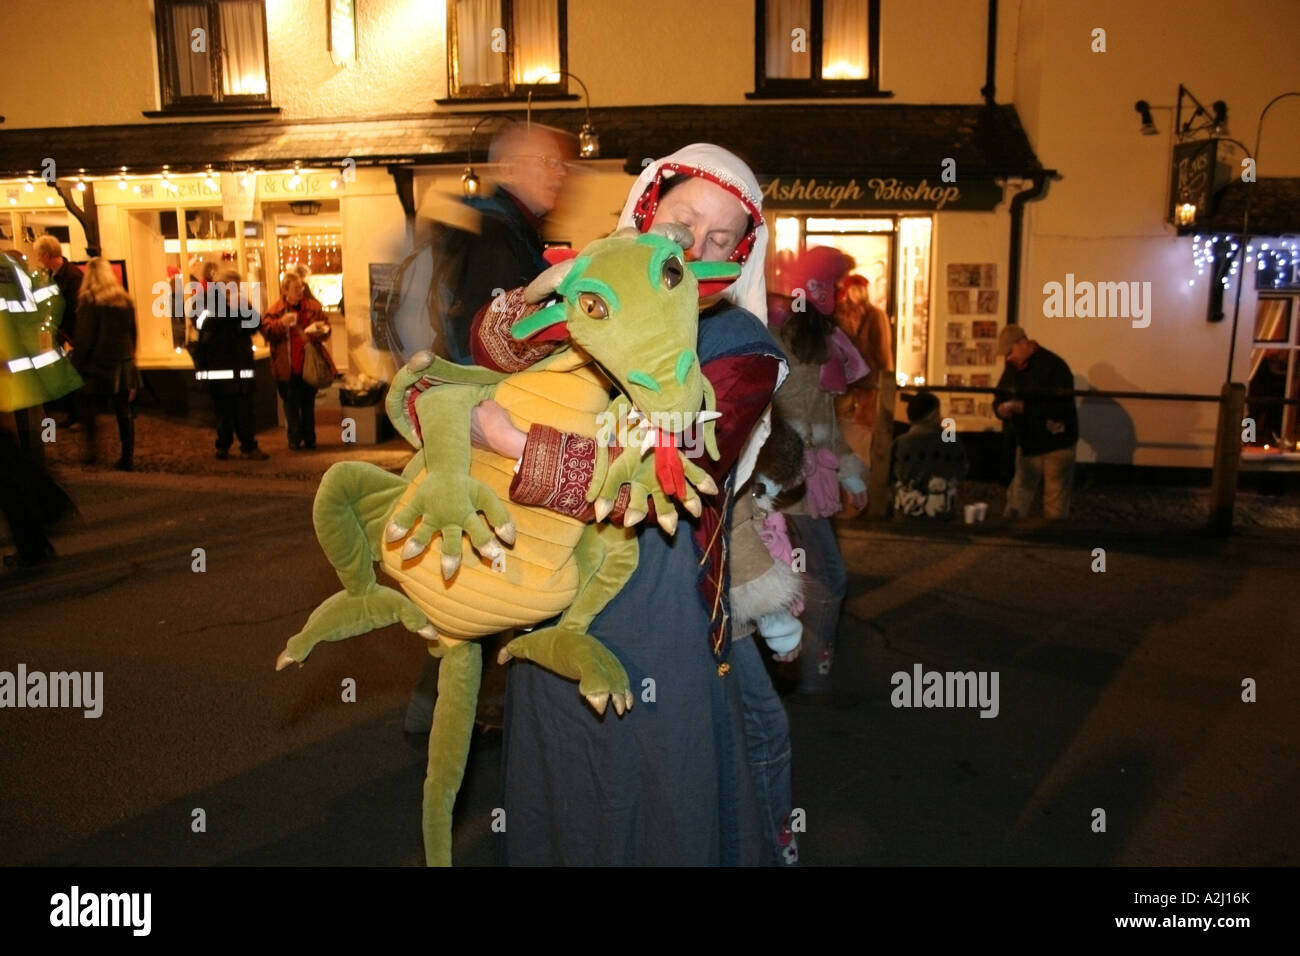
878, 193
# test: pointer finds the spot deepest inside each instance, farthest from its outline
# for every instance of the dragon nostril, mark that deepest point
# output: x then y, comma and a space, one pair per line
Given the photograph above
644, 380
685, 361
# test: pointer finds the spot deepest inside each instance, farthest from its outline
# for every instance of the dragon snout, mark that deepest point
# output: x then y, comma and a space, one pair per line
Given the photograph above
686, 361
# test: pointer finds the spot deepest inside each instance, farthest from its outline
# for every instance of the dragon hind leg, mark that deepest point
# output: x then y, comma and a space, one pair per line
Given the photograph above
606, 557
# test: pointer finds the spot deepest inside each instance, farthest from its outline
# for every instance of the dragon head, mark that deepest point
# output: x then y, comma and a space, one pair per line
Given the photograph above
631, 302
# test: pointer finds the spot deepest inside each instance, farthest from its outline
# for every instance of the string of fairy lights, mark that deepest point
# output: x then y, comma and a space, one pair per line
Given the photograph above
169, 181
293, 247
1274, 258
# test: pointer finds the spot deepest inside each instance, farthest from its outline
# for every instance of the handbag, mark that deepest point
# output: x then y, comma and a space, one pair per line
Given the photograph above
316, 370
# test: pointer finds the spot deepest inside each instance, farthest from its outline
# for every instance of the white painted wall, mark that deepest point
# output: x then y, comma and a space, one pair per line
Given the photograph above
1104, 220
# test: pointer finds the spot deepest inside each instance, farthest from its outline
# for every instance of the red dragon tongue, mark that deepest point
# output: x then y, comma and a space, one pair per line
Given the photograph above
668, 467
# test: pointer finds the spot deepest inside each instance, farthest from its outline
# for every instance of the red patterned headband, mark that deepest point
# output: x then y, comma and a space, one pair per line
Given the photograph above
644, 211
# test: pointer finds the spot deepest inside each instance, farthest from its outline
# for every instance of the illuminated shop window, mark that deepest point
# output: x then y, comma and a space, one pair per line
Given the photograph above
817, 47
504, 48
213, 54
1274, 373
891, 253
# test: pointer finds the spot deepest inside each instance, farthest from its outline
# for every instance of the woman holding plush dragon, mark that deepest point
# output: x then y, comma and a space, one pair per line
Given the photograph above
667, 781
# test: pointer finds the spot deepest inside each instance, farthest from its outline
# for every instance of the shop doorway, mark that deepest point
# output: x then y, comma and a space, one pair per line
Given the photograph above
893, 254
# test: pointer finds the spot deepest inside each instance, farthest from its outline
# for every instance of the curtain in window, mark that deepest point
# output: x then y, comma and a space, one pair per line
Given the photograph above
243, 59
478, 64
781, 61
1272, 324
844, 40
193, 71
537, 41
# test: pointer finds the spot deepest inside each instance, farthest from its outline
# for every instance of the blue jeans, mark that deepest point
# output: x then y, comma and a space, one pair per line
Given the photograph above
767, 738
825, 582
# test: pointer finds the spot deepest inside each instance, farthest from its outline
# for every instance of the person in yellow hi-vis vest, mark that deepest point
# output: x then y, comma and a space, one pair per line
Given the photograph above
33, 370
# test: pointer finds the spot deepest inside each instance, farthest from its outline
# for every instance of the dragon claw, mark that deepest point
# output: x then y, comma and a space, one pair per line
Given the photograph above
603, 507
599, 701
693, 506
633, 516
412, 549
420, 360
708, 486
450, 564
284, 660
395, 532
428, 632
507, 532
503, 656
668, 521
491, 551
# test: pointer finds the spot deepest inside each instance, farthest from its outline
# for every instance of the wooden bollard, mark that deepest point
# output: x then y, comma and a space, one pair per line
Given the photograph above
882, 440
1227, 457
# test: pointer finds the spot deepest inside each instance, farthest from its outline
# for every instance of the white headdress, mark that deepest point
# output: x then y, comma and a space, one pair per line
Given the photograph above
750, 290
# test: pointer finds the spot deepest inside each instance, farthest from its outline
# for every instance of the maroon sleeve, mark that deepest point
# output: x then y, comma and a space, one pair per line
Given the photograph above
556, 468
490, 343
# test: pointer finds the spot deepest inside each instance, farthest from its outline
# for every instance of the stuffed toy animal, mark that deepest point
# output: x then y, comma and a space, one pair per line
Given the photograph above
766, 591
630, 314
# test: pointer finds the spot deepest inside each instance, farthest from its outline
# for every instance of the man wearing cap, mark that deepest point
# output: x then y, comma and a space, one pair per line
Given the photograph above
1046, 426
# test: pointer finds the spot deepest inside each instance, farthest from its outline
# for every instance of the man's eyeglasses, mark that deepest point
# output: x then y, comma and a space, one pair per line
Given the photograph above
549, 162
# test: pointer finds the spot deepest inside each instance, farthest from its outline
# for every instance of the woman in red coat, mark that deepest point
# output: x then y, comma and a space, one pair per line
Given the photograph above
294, 323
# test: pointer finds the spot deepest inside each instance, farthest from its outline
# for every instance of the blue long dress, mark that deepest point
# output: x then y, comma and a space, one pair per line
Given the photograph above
668, 783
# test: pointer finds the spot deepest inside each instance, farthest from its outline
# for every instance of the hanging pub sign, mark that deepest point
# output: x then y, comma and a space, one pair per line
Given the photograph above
854, 194
1191, 182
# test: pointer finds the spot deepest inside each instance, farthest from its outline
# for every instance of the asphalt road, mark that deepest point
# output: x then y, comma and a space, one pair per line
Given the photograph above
1118, 690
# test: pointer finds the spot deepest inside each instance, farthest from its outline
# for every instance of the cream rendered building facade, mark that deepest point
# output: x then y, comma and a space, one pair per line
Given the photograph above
1102, 220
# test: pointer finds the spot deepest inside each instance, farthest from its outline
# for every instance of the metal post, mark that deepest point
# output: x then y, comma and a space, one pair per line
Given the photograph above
1227, 457
882, 440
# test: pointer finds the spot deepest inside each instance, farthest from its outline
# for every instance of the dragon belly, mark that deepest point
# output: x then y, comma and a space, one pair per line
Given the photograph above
537, 578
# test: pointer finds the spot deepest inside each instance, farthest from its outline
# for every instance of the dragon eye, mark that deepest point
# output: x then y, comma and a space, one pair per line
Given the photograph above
592, 305
673, 271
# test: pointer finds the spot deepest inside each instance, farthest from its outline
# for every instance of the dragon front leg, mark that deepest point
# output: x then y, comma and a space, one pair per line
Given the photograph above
447, 501
606, 558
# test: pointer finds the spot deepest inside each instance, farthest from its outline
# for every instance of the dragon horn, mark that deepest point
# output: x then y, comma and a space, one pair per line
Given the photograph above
675, 232
546, 283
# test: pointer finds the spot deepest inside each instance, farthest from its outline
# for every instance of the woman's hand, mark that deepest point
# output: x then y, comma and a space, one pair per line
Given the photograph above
857, 500
491, 429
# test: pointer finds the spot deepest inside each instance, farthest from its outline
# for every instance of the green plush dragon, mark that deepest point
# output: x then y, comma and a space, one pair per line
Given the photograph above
629, 310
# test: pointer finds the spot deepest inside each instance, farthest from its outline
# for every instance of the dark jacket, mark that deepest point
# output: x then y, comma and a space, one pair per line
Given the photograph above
1048, 423
505, 254
68, 278
106, 336
226, 345
922, 454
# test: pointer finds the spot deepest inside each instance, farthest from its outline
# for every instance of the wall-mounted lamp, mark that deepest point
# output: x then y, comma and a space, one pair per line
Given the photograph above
470, 184
1144, 110
1185, 214
341, 26
1214, 120
588, 138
